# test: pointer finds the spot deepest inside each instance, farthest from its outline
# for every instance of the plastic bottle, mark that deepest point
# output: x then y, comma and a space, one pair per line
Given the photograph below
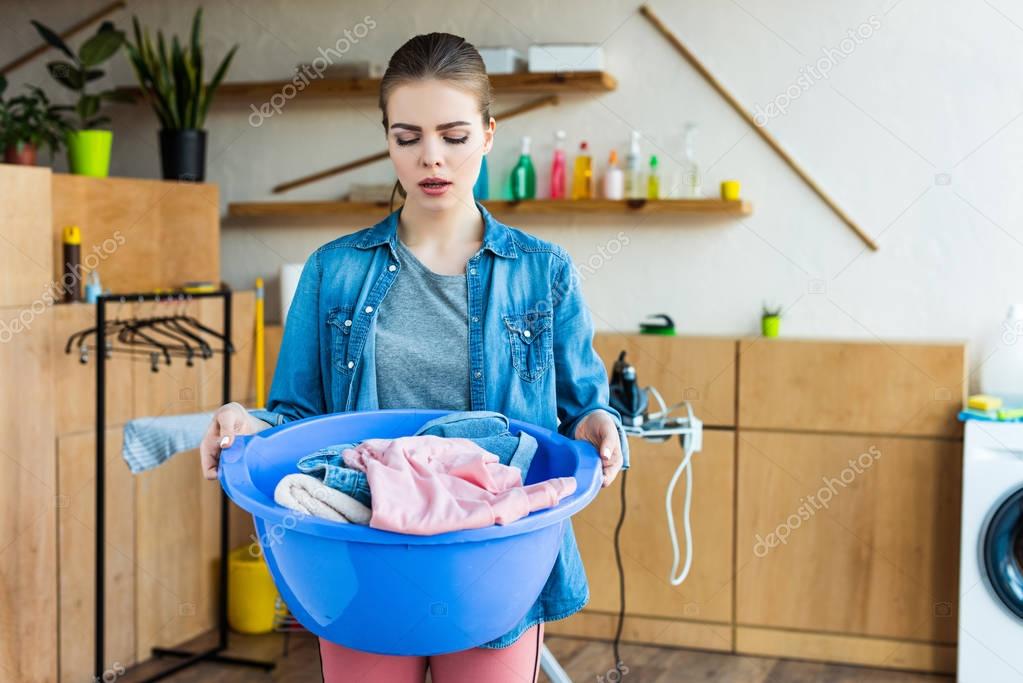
582, 177
653, 181
633, 176
481, 190
523, 180
558, 167
1002, 373
614, 179
692, 180
93, 288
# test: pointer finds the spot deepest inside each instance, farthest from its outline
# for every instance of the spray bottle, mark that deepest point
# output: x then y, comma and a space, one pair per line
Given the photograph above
633, 175
558, 167
523, 179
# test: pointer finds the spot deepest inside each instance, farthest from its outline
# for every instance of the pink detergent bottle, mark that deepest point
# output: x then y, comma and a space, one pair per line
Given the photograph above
558, 167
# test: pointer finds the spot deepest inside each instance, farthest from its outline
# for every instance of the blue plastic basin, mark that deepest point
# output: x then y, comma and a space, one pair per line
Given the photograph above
402, 594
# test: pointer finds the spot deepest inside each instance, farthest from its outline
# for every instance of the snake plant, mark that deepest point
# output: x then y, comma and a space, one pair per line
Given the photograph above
172, 79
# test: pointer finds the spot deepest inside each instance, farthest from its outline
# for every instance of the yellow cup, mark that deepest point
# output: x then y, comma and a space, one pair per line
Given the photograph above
730, 190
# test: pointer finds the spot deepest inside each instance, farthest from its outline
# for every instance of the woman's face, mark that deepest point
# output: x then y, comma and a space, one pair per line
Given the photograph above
435, 131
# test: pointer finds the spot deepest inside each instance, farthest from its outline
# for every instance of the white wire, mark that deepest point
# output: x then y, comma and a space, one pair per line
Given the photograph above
658, 430
684, 465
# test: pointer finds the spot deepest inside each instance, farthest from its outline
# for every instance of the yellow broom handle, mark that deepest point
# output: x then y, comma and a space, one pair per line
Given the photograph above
260, 349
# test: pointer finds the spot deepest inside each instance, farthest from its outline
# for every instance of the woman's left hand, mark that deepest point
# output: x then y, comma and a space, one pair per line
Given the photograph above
600, 429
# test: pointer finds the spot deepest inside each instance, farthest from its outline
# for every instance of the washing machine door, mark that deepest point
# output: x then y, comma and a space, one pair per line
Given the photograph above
1002, 553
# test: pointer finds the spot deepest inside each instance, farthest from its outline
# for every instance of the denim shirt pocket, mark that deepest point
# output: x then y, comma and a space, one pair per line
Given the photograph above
339, 320
532, 345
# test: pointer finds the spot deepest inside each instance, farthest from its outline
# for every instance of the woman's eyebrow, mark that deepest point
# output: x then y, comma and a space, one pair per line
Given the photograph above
418, 129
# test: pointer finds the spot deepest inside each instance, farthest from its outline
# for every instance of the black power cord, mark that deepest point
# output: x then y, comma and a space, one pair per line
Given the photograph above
621, 577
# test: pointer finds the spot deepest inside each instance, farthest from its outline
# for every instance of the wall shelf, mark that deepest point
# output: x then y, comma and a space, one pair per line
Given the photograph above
717, 207
565, 82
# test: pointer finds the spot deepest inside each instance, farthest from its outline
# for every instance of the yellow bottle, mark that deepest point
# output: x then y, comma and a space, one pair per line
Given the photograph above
653, 184
582, 176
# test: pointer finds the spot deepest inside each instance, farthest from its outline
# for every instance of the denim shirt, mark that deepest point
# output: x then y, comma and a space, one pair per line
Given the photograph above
531, 353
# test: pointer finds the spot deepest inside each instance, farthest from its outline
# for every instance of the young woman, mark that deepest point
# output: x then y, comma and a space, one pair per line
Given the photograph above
440, 305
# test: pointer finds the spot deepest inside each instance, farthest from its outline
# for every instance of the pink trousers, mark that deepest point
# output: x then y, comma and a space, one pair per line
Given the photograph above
517, 663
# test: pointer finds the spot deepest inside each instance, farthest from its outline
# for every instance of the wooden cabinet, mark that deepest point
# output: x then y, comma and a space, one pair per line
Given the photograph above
29, 496
161, 527
655, 608
698, 613
142, 234
859, 387
848, 534
825, 508
699, 370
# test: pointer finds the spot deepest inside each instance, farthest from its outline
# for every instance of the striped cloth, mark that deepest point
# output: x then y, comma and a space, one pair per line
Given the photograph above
150, 441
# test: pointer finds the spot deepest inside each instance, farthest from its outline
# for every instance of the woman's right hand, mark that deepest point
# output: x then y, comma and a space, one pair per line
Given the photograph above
230, 420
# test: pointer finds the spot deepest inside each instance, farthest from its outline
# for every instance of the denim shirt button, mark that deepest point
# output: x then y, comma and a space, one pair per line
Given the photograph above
369, 309
351, 364
475, 318
526, 333
472, 271
392, 267
479, 374
348, 323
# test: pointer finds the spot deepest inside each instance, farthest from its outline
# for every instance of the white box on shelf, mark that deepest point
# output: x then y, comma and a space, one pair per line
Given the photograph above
546, 58
502, 60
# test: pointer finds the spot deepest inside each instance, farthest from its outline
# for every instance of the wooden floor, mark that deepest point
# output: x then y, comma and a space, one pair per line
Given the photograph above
584, 660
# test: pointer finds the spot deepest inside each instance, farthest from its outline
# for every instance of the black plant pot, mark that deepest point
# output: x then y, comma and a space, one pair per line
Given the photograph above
183, 154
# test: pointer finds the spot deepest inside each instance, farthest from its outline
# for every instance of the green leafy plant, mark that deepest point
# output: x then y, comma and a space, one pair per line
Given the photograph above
76, 74
32, 120
172, 80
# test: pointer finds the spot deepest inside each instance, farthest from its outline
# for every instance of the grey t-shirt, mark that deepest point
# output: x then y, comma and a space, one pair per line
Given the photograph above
422, 339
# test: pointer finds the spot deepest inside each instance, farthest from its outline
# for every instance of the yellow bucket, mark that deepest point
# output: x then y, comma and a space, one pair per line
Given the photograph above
251, 594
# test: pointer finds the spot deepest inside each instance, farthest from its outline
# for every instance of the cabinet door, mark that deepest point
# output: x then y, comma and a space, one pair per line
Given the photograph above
848, 534
76, 517
700, 370
28, 490
829, 386
177, 552
706, 595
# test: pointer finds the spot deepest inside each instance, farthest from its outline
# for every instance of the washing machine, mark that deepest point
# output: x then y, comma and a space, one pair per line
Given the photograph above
991, 558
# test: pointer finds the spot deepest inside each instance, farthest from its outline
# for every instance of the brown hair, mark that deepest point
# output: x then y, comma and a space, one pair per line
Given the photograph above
441, 56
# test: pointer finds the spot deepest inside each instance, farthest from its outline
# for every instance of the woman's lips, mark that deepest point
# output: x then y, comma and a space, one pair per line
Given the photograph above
434, 189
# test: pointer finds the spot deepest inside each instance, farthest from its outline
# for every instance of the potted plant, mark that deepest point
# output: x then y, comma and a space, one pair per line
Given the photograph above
29, 123
770, 321
172, 82
88, 146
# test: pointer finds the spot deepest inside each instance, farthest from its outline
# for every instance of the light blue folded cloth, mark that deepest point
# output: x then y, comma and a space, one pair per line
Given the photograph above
150, 441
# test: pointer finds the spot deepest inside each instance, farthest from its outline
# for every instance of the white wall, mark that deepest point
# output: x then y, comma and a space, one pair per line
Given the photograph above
916, 132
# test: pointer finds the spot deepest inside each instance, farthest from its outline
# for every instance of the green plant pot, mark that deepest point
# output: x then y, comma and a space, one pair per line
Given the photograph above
88, 152
770, 325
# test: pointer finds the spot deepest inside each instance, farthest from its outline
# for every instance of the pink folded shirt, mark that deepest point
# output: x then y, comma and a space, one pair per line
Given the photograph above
429, 484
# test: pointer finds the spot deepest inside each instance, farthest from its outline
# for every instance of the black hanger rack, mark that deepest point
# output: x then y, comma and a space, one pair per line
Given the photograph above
160, 338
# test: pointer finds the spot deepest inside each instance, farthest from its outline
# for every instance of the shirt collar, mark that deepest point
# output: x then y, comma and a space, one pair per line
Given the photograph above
496, 235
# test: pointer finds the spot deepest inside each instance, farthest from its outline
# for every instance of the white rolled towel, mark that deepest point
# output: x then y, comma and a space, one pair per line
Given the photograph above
307, 494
